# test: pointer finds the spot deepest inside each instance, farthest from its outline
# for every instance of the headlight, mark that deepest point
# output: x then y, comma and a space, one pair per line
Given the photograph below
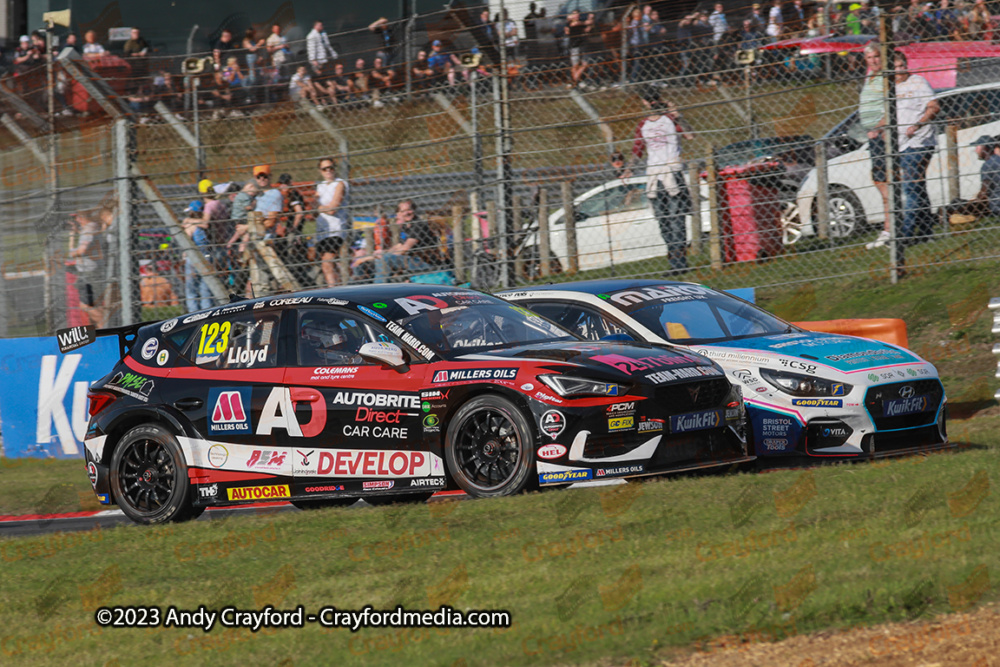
804, 385
571, 386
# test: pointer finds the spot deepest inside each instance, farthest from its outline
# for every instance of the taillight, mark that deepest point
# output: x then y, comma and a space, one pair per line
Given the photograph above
99, 400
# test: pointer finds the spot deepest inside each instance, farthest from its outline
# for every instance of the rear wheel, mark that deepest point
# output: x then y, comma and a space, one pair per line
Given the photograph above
846, 215
489, 448
149, 477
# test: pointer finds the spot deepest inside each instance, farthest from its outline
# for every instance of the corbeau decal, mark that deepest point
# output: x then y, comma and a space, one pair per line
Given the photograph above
279, 412
553, 422
229, 410
464, 374
259, 492
695, 421
551, 451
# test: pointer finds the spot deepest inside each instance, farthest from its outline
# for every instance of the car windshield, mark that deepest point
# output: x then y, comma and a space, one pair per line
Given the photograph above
692, 314
455, 324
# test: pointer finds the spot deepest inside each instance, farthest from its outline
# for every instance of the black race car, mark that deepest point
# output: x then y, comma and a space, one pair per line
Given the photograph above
390, 393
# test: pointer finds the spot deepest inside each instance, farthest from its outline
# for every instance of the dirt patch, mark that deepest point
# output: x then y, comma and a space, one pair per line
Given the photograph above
971, 639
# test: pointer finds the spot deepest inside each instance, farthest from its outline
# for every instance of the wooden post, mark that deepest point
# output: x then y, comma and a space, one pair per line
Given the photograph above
491, 221
543, 233
695, 189
569, 219
951, 148
714, 237
822, 193
345, 263
458, 242
516, 245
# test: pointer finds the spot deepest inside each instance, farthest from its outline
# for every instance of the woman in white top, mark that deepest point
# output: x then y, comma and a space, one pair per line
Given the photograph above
331, 218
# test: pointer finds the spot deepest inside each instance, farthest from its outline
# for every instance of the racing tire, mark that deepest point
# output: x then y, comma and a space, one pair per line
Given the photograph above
847, 217
489, 448
149, 478
378, 501
321, 503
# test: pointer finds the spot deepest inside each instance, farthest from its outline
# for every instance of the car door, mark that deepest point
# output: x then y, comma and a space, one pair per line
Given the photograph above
342, 401
228, 367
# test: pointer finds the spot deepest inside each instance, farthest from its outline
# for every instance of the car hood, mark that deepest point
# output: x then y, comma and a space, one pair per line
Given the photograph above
638, 361
843, 353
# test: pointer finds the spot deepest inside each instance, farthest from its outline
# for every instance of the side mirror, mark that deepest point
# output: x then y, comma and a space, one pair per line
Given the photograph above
384, 353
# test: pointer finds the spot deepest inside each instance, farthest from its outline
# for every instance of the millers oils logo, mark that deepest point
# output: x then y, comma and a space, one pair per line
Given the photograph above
259, 492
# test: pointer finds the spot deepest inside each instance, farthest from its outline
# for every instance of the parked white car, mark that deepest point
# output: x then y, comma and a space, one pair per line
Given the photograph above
853, 201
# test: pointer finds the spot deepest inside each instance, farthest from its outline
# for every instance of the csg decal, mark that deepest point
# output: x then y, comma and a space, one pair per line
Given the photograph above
551, 451
552, 423
259, 492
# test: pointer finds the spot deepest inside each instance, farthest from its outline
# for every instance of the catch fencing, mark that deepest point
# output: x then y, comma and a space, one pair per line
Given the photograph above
512, 173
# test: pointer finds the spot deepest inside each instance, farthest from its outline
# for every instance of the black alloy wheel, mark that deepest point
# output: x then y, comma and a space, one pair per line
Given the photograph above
489, 448
149, 477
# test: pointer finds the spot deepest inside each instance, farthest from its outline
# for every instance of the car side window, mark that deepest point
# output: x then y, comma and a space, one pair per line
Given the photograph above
581, 320
244, 340
689, 319
332, 338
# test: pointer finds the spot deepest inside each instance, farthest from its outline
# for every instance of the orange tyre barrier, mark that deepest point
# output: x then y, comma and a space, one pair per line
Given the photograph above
887, 330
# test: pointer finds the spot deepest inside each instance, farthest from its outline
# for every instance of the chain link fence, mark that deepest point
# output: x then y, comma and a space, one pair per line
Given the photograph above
512, 174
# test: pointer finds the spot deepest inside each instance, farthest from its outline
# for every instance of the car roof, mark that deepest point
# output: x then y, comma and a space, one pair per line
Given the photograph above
596, 286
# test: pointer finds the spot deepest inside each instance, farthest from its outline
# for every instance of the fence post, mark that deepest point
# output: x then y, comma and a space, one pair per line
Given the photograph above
822, 193
344, 263
491, 221
124, 139
543, 233
951, 148
714, 237
695, 189
458, 242
897, 256
569, 219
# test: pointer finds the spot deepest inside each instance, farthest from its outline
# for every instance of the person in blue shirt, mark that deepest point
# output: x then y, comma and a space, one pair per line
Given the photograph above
197, 294
987, 201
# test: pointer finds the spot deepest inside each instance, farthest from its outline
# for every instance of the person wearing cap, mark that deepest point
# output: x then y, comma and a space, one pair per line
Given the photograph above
987, 200
442, 62
26, 56
659, 135
197, 295
269, 201
331, 219
293, 251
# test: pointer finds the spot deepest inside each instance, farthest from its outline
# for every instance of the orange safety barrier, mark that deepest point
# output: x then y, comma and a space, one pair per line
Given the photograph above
887, 330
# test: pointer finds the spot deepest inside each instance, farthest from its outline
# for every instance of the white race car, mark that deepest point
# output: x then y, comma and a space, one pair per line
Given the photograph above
806, 393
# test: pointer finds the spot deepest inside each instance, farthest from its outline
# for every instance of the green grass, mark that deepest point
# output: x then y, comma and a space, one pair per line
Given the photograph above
660, 566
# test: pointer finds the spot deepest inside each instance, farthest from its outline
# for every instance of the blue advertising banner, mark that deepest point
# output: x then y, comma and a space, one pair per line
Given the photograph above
43, 394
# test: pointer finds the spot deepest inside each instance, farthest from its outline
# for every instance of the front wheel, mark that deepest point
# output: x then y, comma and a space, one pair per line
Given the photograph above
846, 214
149, 477
489, 448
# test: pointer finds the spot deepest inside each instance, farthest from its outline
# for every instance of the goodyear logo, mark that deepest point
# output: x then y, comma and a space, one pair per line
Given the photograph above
818, 402
565, 476
619, 423
695, 421
259, 492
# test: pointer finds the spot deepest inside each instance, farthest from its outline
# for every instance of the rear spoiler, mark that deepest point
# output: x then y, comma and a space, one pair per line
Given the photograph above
77, 337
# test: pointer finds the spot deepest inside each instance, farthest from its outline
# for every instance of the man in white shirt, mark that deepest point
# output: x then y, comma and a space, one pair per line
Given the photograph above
91, 49
277, 49
660, 135
915, 109
318, 48
718, 22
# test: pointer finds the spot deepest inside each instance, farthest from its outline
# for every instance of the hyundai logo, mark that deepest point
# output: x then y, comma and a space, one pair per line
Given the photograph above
906, 392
